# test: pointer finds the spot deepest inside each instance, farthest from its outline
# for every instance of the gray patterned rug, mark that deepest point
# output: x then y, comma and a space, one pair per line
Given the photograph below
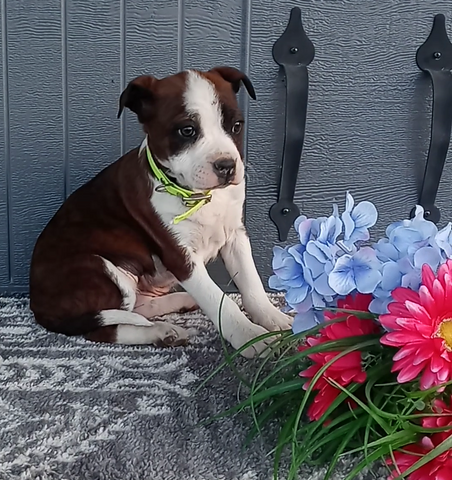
71, 410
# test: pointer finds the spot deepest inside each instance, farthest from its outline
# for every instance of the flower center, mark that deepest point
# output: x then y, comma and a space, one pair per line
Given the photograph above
445, 332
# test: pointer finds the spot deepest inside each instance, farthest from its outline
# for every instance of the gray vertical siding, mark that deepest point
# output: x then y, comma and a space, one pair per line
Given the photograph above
35, 123
4, 159
152, 40
93, 80
65, 62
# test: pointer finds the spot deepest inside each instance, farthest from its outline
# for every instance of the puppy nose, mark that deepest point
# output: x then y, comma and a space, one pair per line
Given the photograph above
224, 168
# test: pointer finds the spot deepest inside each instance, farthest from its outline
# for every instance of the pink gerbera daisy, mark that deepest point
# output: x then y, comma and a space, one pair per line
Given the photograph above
420, 324
439, 468
439, 407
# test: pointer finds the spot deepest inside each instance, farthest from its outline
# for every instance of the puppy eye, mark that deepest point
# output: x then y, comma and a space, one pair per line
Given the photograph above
187, 131
237, 128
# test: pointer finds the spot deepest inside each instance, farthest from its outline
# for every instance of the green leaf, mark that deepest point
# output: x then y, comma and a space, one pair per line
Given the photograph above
268, 415
378, 411
282, 442
319, 424
237, 352
379, 453
333, 437
228, 358
418, 429
358, 346
430, 391
383, 424
404, 437
335, 345
295, 384
254, 390
355, 313
353, 429
419, 405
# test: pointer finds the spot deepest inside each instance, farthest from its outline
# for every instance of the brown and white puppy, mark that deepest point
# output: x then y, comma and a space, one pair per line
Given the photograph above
109, 260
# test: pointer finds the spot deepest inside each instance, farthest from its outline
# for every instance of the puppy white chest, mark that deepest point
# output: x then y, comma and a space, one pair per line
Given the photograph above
207, 230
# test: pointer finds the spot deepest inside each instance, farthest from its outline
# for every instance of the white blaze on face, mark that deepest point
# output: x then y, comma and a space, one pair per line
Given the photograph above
195, 164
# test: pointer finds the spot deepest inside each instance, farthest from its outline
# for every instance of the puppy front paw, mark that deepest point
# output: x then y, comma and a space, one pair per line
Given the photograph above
272, 319
247, 332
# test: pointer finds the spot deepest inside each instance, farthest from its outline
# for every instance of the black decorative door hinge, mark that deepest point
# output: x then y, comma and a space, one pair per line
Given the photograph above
293, 51
435, 57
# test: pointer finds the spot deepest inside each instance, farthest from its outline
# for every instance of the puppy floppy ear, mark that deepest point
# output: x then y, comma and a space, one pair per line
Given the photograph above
138, 97
236, 78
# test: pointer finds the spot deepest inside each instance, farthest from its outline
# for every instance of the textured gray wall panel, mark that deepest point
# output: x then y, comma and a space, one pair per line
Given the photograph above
4, 247
369, 108
213, 33
36, 123
152, 46
93, 80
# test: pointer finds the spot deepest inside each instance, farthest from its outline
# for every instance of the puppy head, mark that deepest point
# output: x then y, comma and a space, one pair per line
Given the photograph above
193, 123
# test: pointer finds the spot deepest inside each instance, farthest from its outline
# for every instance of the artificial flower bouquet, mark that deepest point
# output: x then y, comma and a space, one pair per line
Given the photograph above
367, 370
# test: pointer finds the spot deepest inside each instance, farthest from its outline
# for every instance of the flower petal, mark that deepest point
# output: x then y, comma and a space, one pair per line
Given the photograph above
426, 299
275, 283
304, 321
297, 295
365, 215
313, 264
304, 306
403, 353
428, 277
391, 276
367, 279
379, 306
349, 202
436, 363
341, 279
428, 379
303, 226
409, 373
418, 312
444, 239
398, 339
427, 256
321, 286
403, 294
421, 355
386, 251
404, 237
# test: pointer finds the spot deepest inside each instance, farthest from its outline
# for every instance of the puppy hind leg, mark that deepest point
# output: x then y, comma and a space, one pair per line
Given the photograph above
160, 334
126, 283
178, 302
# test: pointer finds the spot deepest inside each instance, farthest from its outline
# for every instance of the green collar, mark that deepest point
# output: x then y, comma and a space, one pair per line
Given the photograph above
193, 200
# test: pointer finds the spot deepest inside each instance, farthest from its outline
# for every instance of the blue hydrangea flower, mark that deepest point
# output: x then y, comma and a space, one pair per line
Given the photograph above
360, 271
330, 228
307, 228
289, 275
329, 248
323, 247
409, 245
319, 258
357, 220
319, 269
444, 240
